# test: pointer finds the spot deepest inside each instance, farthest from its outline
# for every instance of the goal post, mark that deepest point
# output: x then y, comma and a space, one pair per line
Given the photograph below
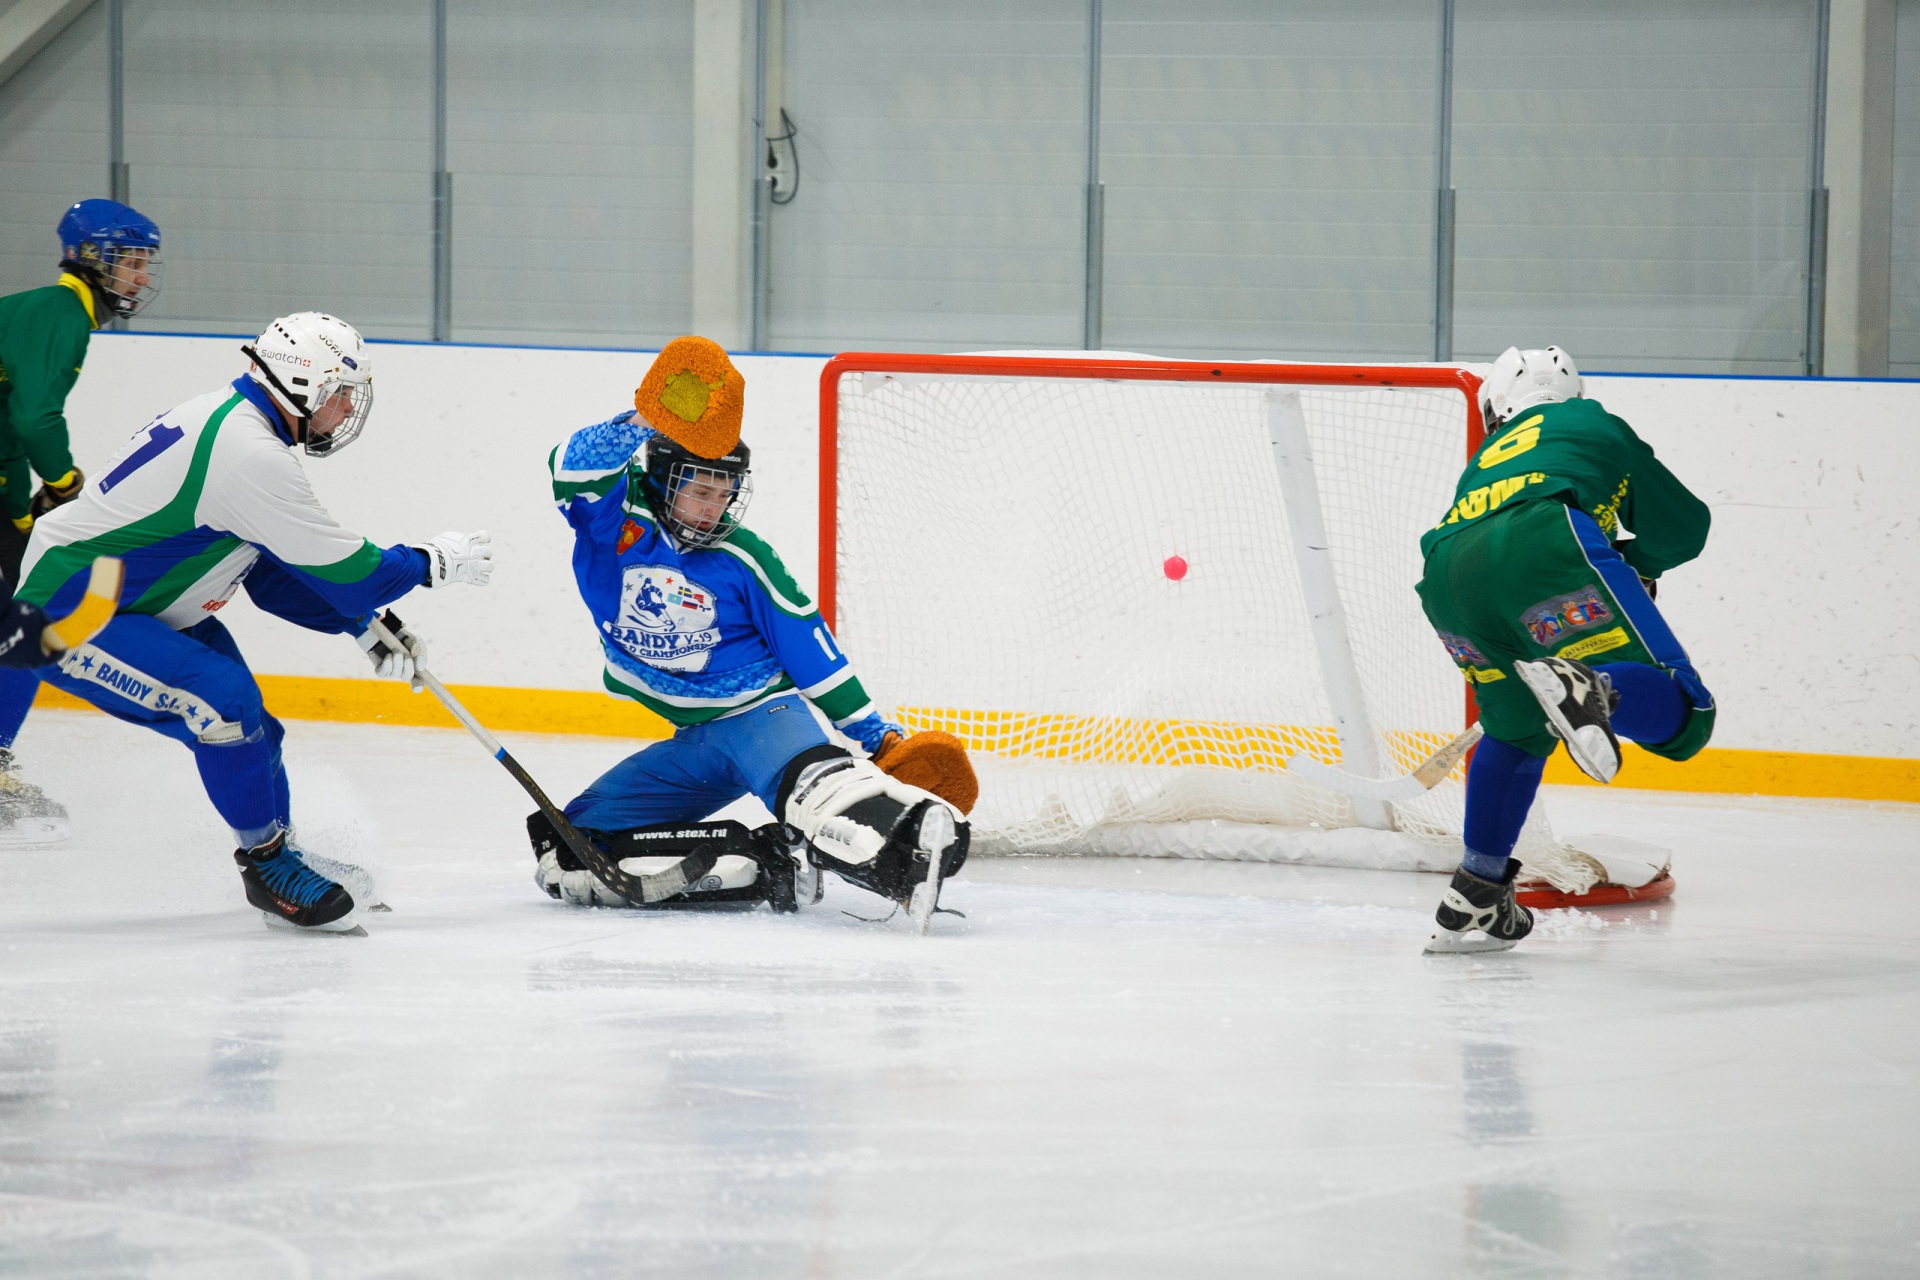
1137, 588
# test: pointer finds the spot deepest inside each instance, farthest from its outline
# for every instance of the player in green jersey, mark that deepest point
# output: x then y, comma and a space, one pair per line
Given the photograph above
1548, 611
109, 268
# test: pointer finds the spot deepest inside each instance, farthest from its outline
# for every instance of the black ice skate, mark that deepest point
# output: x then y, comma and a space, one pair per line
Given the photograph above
1579, 704
1480, 915
290, 892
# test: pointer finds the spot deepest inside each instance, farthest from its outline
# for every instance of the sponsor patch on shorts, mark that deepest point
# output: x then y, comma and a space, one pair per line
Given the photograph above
1581, 649
1462, 650
1551, 619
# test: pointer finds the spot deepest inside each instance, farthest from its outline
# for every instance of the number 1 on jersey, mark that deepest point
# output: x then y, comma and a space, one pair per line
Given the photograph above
160, 438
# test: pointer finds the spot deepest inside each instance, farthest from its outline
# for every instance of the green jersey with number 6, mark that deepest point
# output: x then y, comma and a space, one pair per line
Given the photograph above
1576, 453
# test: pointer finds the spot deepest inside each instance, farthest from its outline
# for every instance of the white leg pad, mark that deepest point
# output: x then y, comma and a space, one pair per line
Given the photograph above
826, 791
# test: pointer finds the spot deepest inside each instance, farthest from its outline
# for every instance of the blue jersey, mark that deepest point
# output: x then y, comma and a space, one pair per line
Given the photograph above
700, 633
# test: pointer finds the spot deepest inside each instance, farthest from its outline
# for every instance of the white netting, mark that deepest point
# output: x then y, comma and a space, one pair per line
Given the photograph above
1001, 574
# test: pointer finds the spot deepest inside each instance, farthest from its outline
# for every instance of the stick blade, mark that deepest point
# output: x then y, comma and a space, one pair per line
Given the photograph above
95, 610
1325, 775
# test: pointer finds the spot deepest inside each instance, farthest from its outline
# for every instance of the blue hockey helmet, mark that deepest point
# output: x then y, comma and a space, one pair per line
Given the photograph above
116, 248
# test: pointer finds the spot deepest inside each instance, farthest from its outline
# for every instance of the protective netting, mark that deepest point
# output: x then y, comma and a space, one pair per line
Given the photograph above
1006, 571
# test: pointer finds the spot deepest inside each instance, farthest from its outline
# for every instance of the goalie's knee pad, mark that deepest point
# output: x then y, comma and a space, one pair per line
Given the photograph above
745, 866
864, 825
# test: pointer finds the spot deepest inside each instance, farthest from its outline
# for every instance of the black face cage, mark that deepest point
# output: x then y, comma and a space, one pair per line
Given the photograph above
361, 396
681, 474
102, 266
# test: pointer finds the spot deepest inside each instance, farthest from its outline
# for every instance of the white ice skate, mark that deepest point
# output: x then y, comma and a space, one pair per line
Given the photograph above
1579, 706
936, 837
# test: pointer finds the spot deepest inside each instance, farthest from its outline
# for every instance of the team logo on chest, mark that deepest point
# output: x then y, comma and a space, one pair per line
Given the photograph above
1576, 611
666, 620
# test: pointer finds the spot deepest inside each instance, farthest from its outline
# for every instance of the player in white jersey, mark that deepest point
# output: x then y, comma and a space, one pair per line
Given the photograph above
208, 497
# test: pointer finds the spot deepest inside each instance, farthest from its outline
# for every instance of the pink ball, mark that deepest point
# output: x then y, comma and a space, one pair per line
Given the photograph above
1175, 568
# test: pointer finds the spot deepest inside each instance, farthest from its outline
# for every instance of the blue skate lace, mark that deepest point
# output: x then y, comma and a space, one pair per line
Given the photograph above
293, 880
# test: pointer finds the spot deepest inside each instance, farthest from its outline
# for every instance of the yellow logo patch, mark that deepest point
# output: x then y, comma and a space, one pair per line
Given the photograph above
686, 395
1482, 675
1617, 638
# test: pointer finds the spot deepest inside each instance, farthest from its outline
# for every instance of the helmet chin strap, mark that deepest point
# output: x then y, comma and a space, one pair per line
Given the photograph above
306, 418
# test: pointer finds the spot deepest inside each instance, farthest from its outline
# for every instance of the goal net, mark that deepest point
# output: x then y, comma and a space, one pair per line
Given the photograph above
1138, 589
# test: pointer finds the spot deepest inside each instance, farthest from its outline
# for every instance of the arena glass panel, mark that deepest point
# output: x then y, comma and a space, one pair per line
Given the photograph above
1903, 336
1269, 172
1633, 181
53, 147
570, 140
286, 153
943, 176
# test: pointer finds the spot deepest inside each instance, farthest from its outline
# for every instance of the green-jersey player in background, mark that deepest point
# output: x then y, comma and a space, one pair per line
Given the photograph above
109, 269
1548, 612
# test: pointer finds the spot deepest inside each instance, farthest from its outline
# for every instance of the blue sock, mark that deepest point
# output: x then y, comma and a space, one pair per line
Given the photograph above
1652, 707
1501, 783
17, 687
239, 778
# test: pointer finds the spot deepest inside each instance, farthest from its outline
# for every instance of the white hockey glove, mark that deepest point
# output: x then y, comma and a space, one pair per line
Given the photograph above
392, 664
578, 888
458, 557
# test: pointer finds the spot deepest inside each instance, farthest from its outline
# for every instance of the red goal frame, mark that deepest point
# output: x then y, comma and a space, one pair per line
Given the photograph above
1443, 377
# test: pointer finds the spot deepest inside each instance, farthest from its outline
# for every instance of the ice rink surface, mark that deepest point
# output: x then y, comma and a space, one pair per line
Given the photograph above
1107, 1069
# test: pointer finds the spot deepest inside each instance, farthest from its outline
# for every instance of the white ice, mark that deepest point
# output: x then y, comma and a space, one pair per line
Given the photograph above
1109, 1068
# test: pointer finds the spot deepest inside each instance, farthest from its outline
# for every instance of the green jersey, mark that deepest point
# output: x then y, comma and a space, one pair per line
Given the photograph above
1578, 454
43, 342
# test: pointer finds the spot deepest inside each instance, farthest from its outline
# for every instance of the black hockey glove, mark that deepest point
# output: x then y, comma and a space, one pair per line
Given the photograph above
57, 493
21, 625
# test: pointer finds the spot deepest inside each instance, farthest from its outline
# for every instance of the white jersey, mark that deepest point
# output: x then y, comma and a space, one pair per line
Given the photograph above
192, 502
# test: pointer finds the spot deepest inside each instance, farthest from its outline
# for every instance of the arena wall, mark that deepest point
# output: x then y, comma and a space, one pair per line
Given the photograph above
1803, 614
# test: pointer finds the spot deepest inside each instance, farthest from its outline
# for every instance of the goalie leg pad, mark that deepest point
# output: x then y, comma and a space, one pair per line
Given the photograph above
766, 864
864, 825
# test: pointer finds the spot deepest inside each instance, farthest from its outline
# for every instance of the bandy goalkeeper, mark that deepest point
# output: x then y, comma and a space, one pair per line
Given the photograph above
1550, 616
700, 622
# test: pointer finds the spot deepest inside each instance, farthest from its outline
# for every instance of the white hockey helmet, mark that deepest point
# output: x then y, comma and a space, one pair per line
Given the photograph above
316, 368
1523, 379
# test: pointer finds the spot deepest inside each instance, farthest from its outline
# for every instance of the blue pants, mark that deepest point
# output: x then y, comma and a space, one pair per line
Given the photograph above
700, 769
194, 687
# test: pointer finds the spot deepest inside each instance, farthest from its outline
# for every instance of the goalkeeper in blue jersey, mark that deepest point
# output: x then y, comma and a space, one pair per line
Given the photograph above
700, 622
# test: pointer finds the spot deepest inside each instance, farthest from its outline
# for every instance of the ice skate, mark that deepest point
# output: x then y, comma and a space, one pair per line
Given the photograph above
1579, 705
936, 836
28, 819
292, 894
1479, 915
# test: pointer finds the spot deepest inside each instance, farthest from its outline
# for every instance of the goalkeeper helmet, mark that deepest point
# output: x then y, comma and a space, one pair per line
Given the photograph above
316, 368
1522, 379
698, 500
114, 248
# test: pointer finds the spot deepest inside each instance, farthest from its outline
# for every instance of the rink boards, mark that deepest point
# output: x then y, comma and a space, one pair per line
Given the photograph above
1801, 613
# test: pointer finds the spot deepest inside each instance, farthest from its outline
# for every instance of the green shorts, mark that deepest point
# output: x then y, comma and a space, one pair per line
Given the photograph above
1539, 579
